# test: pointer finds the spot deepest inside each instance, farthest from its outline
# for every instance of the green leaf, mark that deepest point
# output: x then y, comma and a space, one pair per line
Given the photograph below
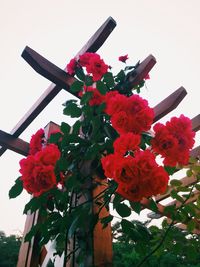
76, 86
86, 97
117, 199
65, 127
55, 138
127, 226
136, 206
189, 173
170, 170
129, 229
153, 205
32, 233
34, 204
109, 80
120, 76
88, 80
198, 202
174, 195
68, 102
101, 87
63, 164
99, 109
123, 210
190, 209
72, 110
76, 127
183, 189
16, 189
175, 182
197, 186
80, 74
106, 220
110, 131
191, 225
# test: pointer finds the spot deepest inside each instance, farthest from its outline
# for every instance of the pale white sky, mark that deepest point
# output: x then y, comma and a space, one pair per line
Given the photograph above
58, 29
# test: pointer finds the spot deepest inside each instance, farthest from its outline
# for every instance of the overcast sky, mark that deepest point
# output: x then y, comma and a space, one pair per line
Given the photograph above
58, 29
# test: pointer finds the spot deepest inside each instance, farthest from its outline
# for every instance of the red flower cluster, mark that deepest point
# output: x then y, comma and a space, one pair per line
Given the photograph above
92, 62
123, 58
137, 173
129, 114
71, 66
174, 140
96, 99
38, 169
36, 142
94, 65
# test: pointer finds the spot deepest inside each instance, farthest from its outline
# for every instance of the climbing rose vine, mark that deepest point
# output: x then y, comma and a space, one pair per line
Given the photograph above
115, 139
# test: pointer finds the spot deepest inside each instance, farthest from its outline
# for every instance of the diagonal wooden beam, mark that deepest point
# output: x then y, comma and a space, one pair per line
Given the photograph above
94, 43
98, 39
137, 75
47, 69
185, 182
8, 141
169, 103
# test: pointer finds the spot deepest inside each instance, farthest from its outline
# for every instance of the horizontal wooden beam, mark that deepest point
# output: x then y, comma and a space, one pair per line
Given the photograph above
169, 103
8, 141
94, 43
139, 74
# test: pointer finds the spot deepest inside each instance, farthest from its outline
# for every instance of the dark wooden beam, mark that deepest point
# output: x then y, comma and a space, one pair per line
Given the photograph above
196, 123
169, 103
137, 75
8, 141
47, 69
94, 43
100, 36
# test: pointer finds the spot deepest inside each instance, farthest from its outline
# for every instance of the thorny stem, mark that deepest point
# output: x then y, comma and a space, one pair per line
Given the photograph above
166, 233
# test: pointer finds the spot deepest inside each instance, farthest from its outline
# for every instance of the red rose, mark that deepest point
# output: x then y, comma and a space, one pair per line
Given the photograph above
174, 140
127, 142
123, 58
97, 98
27, 165
120, 122
41, 180
97, 68
108, 164
84, 60
115, 102
140, 114
137, 176
71, 66
94, 65
49, 155
129, 114
36, 142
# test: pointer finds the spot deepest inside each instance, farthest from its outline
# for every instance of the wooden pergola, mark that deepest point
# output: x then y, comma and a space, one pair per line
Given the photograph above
29, 256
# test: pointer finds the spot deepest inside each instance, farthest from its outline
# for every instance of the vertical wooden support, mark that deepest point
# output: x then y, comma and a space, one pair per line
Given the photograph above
29, 256
102, 238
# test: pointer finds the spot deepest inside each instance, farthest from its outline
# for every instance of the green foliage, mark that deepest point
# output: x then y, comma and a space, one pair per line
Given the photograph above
16, 189
180, 248
9, 249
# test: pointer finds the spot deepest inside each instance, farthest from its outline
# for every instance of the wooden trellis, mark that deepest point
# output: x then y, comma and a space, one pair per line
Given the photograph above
29, 255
